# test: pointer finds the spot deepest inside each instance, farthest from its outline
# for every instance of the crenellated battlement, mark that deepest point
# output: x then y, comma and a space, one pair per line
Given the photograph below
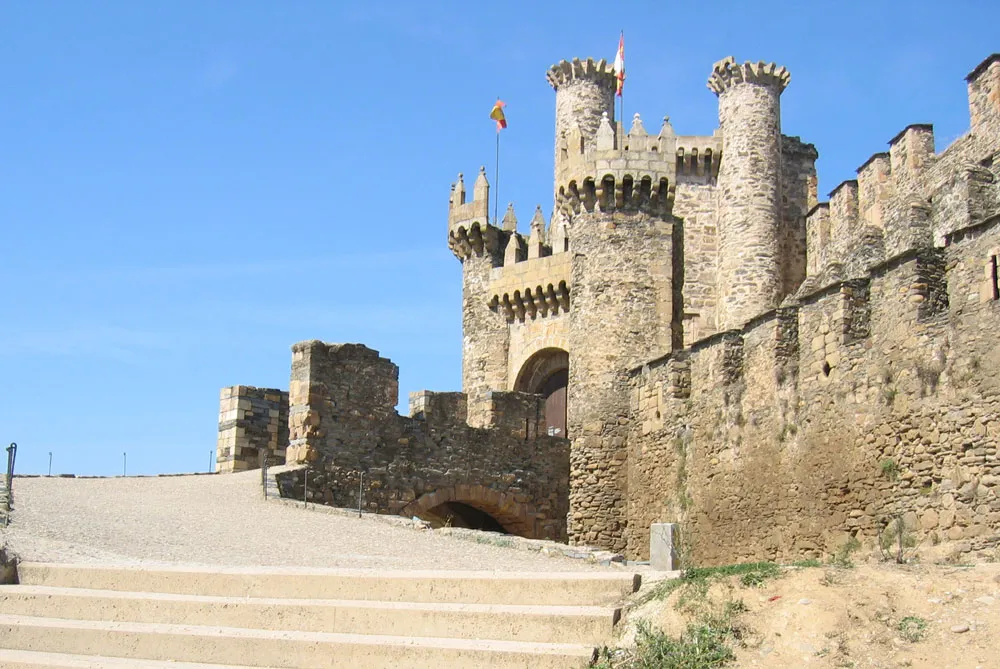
727, 72
636, 154
909, 196
629, 193
532, 288
566, 72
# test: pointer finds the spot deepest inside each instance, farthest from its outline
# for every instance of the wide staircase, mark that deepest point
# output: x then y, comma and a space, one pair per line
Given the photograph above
84, 616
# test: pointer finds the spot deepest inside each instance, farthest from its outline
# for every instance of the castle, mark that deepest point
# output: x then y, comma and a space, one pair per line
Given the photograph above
693, 337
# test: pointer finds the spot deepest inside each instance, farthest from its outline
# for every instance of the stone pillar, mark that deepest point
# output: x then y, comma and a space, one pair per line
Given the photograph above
750, 188
585, 91
251, 421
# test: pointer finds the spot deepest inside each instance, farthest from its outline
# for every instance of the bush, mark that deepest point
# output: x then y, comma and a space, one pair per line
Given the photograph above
842, 558
896, 541
702, 646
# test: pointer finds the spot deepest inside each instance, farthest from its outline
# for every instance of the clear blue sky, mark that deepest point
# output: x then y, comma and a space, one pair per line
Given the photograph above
188, 188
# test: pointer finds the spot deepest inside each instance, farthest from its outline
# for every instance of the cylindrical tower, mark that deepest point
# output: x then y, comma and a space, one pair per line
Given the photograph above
617, 206
749, 276
585, 91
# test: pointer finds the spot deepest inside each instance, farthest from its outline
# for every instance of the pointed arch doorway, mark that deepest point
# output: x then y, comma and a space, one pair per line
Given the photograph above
546, 373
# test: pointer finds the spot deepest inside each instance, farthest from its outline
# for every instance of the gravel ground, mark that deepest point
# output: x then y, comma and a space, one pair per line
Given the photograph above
223, 520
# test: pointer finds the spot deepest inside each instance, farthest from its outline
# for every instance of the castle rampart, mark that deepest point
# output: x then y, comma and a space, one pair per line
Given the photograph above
885, 409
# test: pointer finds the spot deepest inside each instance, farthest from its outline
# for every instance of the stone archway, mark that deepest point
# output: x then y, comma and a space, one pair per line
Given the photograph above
546, 373
511, 516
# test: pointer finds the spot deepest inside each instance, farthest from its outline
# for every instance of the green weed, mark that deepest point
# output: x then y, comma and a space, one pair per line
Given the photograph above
912, 628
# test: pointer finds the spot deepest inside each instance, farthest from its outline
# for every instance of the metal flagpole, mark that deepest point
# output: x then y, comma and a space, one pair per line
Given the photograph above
496, 195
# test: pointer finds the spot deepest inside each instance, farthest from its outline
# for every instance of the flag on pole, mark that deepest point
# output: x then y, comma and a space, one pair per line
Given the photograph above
497, 115
620, 64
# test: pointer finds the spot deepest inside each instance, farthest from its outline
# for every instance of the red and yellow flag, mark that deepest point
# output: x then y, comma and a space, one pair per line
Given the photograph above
497, 115
620, 64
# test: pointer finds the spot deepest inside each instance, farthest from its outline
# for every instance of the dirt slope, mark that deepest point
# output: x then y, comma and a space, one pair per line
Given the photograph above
871, 615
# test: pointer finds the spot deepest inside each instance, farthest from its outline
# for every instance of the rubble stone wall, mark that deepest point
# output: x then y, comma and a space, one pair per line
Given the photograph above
872, 398
343, 424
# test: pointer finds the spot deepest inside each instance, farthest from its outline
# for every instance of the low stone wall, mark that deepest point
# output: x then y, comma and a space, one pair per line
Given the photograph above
343, 424
872, 398
251, 421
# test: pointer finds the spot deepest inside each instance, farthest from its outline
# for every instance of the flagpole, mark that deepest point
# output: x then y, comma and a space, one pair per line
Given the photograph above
496, 173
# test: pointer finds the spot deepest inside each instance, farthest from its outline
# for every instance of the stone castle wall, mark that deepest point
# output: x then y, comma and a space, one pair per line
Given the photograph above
343, 424
870, 394
251, 421
872, 398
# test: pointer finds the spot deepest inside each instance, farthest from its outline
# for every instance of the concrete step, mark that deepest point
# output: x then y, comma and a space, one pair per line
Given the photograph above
268, 648
452, 587
590, 625
27, 659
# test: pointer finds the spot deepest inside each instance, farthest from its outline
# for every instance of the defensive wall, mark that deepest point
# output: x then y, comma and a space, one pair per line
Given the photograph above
343, 424
870, 393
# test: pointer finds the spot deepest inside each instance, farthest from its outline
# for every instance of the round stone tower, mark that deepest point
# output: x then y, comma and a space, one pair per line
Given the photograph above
585, 91
749, 188
617, 205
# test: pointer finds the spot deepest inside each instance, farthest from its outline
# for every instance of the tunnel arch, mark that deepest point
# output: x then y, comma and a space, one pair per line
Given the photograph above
512, 516
546, 373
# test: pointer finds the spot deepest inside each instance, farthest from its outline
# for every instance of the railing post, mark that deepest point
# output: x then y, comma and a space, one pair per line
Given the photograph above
263, 472
361, 487
11, 457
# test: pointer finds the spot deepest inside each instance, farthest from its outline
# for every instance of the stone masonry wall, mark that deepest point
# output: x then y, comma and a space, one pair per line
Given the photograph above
622, 308
872, 398
343, 424
251, 421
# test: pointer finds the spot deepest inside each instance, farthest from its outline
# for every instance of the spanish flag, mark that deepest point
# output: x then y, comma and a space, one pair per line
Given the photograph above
497, 115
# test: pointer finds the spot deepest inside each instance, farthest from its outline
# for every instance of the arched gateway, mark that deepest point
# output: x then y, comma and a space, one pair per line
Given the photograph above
546, 373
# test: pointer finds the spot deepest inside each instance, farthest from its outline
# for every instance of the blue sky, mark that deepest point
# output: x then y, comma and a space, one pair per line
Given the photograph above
188, 188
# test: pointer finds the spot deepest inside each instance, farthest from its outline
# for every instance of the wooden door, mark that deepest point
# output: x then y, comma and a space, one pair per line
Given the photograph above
554, 391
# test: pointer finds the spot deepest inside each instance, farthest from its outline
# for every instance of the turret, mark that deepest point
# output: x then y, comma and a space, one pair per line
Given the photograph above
469, 229
750, 185
984, 97
585, 90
